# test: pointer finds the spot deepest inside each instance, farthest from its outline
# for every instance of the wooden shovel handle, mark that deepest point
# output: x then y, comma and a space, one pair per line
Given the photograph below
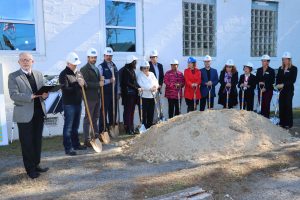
88, 110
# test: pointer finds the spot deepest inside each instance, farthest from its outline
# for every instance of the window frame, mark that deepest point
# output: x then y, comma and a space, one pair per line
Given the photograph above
138, 27
271, 53
206, 35
39, 30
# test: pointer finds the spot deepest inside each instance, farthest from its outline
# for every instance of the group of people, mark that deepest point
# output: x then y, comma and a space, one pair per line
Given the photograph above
104, 85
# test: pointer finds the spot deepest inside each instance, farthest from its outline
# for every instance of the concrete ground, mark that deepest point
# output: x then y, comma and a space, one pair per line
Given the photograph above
113, 175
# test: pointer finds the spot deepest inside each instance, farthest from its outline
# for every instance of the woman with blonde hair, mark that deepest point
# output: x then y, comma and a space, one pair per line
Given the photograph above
285, 80
228, 80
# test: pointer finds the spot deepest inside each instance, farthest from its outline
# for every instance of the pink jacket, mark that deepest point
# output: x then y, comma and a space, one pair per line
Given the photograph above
171, 78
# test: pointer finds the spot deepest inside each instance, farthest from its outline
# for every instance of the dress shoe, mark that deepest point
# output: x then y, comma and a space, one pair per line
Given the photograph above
33, 174
71, 153
39, 169
81, 147
87, 144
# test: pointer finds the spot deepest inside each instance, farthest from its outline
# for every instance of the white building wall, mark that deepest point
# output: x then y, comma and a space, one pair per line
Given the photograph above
77, 25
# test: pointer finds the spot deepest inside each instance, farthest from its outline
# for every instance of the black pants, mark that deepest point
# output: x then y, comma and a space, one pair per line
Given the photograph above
190, 104
30, 135
203, 101
108, 109
248, 102
148, 111
286, 109
173, 107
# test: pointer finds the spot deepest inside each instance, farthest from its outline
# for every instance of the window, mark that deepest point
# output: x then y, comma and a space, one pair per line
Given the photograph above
120, 20
199, 21
264, 28
17, 25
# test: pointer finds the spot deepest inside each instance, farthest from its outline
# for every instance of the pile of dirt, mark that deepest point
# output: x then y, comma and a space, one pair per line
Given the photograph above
208, 136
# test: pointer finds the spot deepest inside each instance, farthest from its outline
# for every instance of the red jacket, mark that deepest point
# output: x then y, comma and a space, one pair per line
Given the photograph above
170, 79
191, 78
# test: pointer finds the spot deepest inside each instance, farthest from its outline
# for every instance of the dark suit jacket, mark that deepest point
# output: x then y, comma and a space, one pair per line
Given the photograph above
251, 82
288, 79
214, 79
92, 82
268, 78
161, 72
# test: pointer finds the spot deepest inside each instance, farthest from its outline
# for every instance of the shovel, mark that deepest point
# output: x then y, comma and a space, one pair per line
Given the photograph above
142, 128
261, 86
243, 97
195, 101
275, 120
161, 114
157, 109
114, 129
95, 142
209, 96
227, 96
104, 136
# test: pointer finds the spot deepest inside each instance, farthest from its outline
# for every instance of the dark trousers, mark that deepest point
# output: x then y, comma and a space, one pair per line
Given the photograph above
30, 135
190, 104
108, 109
286, 109
148, 112
173, 107
248, 102
72, 114
205, 100
129, 107
266, 102
94, 108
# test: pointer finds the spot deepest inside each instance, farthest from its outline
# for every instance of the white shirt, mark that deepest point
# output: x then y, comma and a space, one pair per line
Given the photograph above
146, 83
26, 72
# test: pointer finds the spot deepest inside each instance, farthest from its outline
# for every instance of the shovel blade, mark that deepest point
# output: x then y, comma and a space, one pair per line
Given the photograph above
142, 129
96, 144
104, 136
114, 131
274, 120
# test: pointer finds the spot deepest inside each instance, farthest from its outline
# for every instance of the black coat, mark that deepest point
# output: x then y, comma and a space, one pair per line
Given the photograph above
92, 82
288, 79
161, 72
268, 78
249, 92
129, 84
233, 91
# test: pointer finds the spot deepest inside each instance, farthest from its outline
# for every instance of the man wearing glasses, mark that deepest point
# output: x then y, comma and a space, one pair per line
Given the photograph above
29, 112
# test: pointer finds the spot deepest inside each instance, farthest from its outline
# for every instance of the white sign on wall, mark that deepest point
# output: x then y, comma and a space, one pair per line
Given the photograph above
3, 125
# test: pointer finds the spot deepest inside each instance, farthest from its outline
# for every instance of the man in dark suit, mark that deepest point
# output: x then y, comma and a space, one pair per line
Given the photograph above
29, 112
156, 68
209, 81
91, 75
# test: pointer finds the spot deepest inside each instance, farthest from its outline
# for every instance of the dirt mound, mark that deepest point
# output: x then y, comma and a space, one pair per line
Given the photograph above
207, 136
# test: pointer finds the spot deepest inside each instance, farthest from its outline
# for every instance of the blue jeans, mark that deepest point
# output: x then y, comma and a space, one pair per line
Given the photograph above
72, 115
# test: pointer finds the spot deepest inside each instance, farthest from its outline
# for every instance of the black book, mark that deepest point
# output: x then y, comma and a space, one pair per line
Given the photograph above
48, 88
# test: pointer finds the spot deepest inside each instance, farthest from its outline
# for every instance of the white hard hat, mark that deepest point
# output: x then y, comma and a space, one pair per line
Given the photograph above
265, 57
287, 55
130, 59
145, 63
73, 58
153, 53
174, 62
92, 52
207, 58
230, 62
249, 64
108, 51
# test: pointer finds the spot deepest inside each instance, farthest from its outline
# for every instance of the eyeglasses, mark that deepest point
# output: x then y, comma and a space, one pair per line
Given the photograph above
146, 68
25, 60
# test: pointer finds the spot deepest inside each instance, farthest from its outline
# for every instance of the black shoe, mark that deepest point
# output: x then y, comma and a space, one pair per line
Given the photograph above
33, 174
81, 147
42, 170
71, 153
87, 144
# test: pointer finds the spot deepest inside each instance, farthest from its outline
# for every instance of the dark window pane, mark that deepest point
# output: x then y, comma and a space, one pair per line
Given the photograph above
122, 40
120, 13
17, 10
17, 37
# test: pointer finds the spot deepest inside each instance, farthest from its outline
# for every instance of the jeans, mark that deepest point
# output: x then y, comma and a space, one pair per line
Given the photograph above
72, 115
